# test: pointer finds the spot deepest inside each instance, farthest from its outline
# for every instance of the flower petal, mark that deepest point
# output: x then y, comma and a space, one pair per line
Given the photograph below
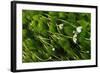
61, 26
79, 29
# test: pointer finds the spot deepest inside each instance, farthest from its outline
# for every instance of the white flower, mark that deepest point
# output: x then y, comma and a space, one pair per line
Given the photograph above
60, 26
75, 35
75, 38
79, 29
53, 49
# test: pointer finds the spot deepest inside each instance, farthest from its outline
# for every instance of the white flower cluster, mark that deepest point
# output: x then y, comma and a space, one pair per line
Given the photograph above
78, 30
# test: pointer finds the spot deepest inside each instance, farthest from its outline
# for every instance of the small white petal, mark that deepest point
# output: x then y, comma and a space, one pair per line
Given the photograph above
60, 26
75, 38
53, 49
79, 29
75, 35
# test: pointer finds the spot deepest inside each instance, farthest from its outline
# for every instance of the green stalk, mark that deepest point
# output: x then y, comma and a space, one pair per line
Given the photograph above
68, 23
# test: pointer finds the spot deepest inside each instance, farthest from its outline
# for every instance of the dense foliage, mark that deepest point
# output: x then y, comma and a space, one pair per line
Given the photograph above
55, 36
